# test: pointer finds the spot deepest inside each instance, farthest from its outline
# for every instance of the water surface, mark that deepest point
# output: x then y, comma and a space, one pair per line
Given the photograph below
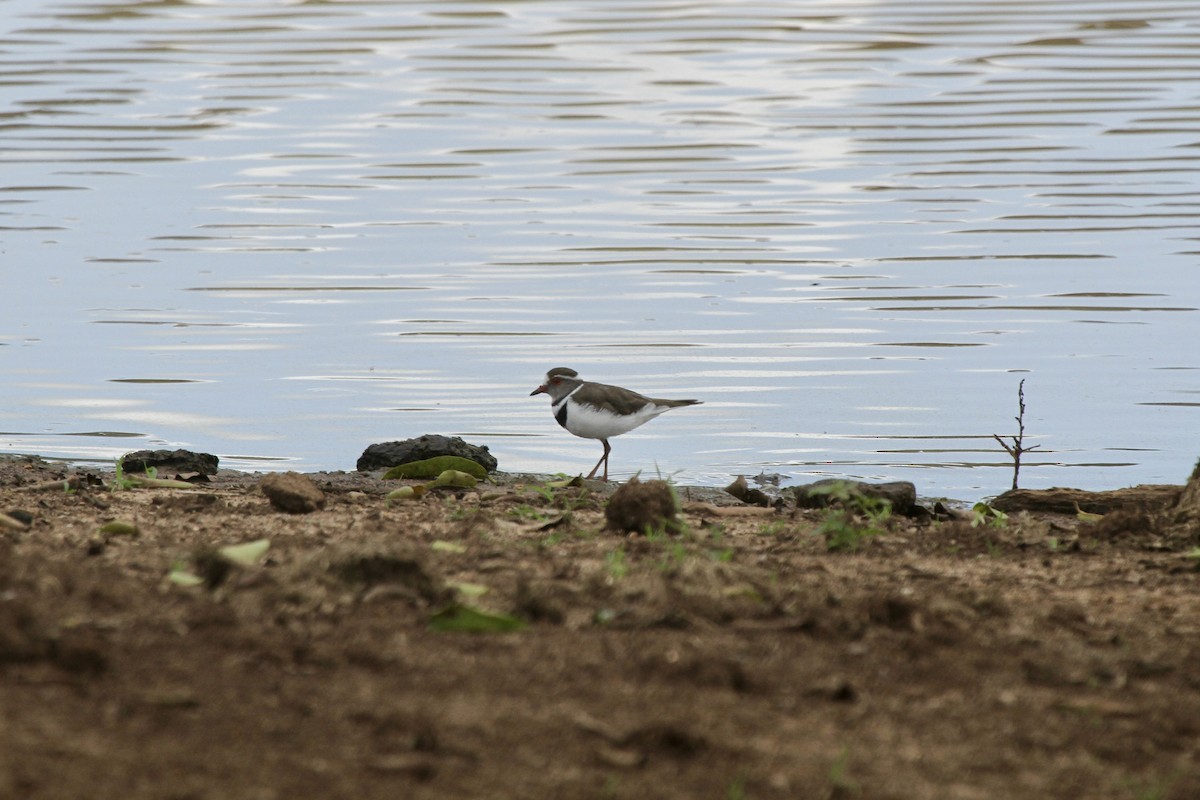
279, 232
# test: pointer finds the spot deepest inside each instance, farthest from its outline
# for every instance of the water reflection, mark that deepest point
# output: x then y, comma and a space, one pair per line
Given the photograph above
282, 232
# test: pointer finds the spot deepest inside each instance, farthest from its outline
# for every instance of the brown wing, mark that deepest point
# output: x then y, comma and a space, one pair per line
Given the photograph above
619, 400
613, 399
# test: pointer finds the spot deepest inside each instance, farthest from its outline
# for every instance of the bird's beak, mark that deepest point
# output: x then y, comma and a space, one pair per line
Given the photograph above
540, 390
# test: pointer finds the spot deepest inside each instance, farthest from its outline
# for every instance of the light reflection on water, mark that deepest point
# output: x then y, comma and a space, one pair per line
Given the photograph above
282, 232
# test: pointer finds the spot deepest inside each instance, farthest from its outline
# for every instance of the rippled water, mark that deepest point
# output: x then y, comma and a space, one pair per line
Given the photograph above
282, 231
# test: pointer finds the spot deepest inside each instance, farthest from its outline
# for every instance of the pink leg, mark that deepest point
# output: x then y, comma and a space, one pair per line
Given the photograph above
603, 460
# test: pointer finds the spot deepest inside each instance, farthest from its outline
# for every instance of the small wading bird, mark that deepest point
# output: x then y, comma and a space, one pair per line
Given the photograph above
599, 411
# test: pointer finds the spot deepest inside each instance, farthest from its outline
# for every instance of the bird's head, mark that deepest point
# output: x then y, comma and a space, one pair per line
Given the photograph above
559, 381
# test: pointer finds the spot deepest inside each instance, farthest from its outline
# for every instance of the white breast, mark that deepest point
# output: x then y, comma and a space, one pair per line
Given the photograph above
596, 423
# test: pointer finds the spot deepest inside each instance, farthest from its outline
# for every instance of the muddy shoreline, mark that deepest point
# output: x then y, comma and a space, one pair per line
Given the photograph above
1044, 654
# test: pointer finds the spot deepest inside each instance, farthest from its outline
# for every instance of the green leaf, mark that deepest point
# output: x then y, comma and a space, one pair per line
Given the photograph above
468, 589
119, 528
447, 547
982, 513
467, 619
182, 577
1086, 516
246, 554
565, 483
454, 478
405, 493
433, 467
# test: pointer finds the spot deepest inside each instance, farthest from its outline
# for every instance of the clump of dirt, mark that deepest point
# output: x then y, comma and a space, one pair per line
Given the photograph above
366, 568
641, 506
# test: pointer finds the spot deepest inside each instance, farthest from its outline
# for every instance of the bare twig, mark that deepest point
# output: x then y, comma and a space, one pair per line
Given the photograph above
12, 523
1017, 448
73, 484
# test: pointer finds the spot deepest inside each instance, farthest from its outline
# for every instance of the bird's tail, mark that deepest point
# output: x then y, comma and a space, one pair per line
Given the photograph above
676, 403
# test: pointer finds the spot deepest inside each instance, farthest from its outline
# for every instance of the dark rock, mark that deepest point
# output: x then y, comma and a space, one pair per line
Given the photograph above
213, 567
742, 491
292, 492
639, 507
15, 520
1070, 501
22, 635
386, 455
177, 461
901, 494
21, 516
402, 570
420, 768
666, 739
897, 613
80, 652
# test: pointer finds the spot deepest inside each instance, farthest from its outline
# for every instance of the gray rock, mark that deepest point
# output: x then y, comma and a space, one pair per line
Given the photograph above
386, 455
901, 494
176, 461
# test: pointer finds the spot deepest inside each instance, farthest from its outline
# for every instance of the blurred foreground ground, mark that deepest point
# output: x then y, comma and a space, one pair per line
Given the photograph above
1045, 657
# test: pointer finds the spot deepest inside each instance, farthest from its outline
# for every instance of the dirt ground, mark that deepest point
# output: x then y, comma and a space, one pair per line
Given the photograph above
1035, 657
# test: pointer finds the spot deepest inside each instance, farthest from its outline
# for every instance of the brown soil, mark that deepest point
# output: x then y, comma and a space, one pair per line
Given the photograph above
1043, 658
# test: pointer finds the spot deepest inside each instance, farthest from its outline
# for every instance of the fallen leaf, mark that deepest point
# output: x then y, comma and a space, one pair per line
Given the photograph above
184, 578
982, 513
566, 483
468, 589
1086, 516
246, 554
119, 528
453, 478
433, 467
405, 493
467, 619
557, 522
